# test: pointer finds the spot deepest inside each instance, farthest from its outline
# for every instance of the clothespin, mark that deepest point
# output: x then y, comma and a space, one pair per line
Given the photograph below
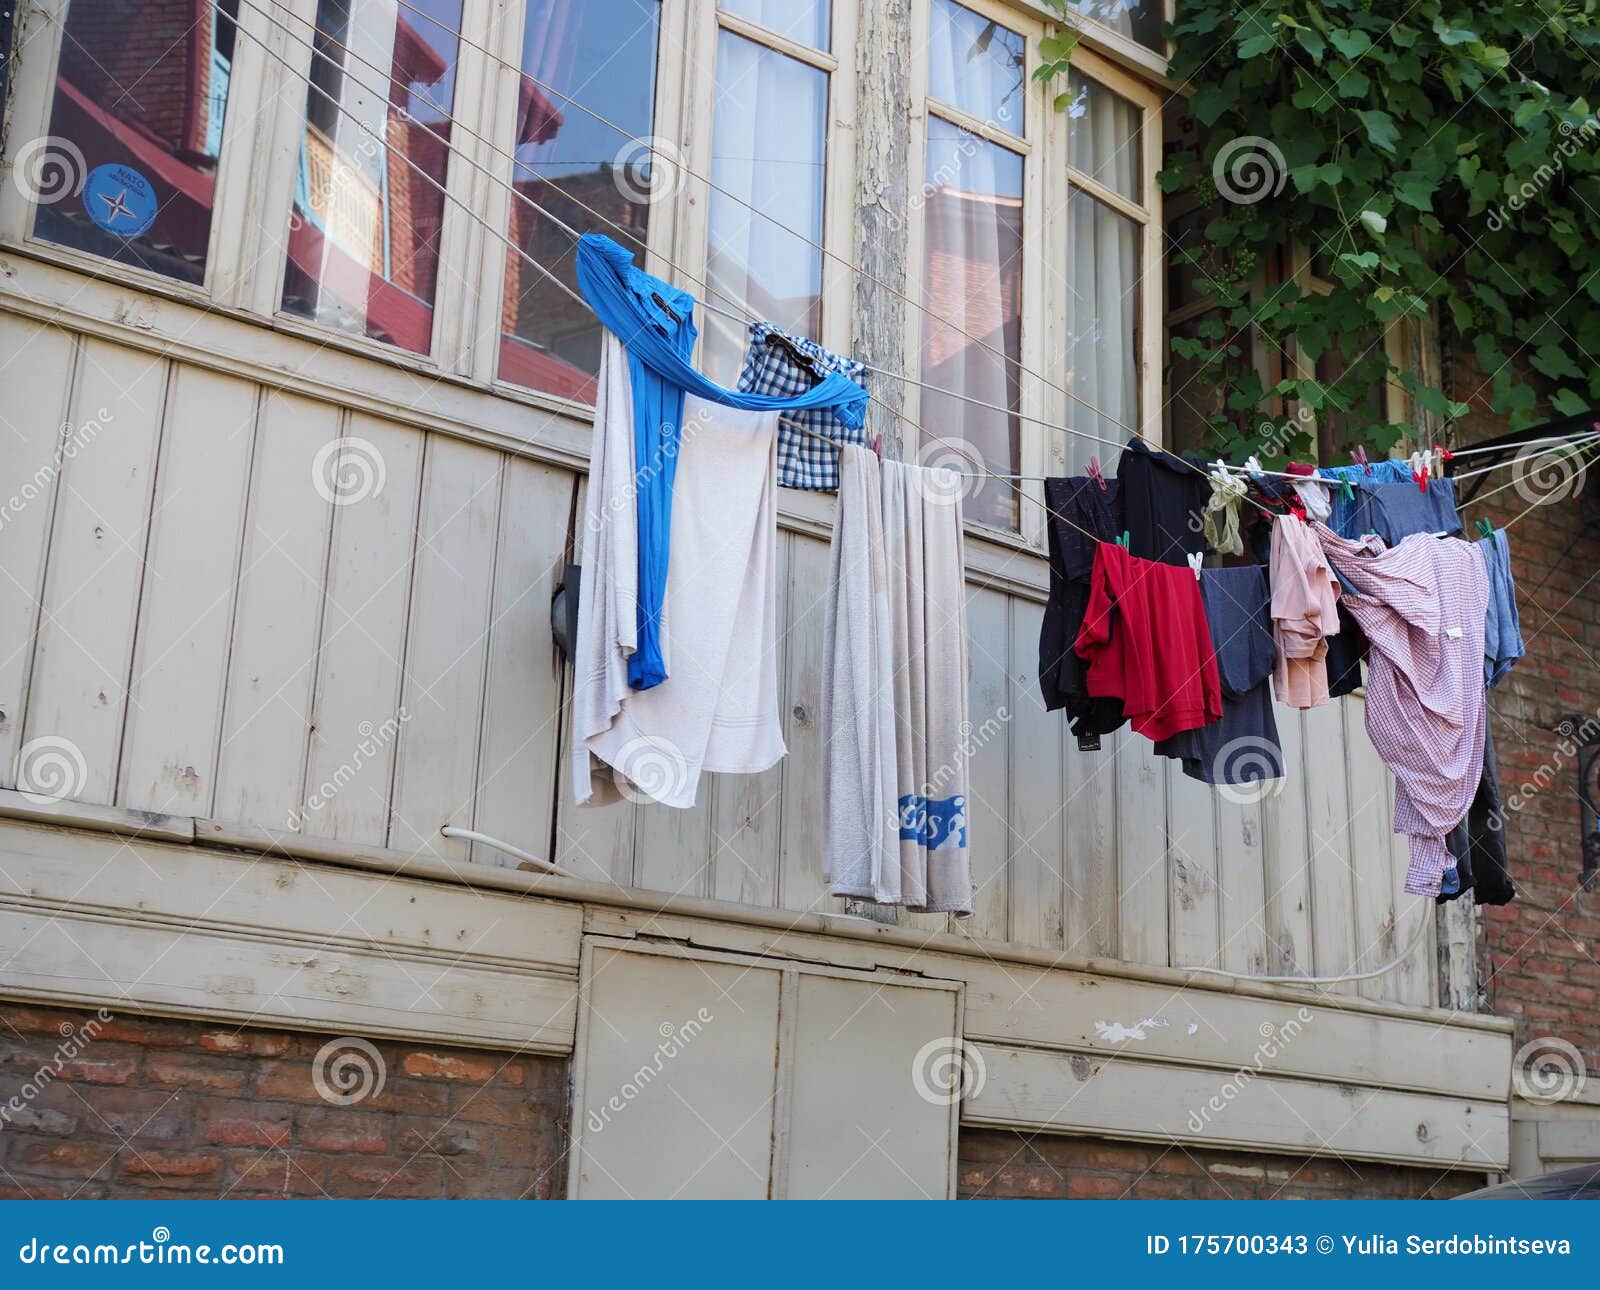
1195, 561
1096, 474
877, 445
1123, 540
1252, 465
1358, 454
1486, 528
1347, 490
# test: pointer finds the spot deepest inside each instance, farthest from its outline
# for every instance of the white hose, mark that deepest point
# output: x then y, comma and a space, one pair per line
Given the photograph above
1383, 970
499, 844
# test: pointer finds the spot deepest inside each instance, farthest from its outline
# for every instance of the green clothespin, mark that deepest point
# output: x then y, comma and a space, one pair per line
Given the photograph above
1123, 540
1347, 490
1486, 528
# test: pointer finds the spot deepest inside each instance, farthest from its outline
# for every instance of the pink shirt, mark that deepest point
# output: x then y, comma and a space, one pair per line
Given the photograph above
1305, 612
1422, 605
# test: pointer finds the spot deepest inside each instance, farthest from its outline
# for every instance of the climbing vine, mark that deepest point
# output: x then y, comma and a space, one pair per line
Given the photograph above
1438, 160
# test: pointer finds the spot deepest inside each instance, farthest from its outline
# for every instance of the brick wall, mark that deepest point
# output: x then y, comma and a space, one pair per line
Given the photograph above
1539, 953
1001, 1165
138, 1107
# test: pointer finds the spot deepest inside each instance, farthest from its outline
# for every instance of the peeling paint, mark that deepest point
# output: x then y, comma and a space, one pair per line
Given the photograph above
1114, 1032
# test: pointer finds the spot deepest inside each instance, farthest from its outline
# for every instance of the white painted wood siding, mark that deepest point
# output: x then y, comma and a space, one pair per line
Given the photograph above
244, 602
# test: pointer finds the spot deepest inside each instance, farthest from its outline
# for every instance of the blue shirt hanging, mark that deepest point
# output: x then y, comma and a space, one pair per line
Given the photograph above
655, 322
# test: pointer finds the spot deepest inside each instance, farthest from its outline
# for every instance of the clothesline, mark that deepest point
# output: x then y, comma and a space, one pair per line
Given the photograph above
983, 471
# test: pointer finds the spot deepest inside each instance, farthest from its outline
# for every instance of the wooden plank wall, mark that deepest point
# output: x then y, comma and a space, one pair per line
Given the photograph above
237, 602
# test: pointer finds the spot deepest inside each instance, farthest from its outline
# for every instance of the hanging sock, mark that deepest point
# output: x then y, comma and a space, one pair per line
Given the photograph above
783, 364
894, 693
655, 322
1222, 512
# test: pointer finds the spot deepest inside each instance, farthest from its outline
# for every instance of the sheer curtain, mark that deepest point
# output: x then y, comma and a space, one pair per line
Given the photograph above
768, 149
1103, 267
972, 261
1138, 19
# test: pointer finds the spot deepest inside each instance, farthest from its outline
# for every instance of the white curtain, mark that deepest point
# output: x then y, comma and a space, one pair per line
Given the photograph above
1103, 314
768, 149
972, 290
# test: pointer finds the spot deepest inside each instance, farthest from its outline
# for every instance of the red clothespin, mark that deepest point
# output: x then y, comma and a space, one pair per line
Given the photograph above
1358, 454
1419, 470
877, 445
1095, 473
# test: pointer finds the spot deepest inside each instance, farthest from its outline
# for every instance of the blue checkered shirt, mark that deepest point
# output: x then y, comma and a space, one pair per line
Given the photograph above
803, 462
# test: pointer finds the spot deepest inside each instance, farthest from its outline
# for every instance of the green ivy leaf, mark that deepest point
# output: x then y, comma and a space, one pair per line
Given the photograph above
1312, 42
1553, 362
1381, 129
1570, 404
1351, 43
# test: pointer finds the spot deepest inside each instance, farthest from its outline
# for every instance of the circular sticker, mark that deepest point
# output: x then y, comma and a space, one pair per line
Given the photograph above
120, 200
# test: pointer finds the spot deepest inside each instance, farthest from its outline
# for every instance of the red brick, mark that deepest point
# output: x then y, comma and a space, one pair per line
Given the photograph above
385, 1178
430, 1065
172, 1169
341, 1128
198, 1071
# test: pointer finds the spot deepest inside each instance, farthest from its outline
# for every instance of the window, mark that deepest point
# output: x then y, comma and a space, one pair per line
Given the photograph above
769, 145
1113, 255
972, 281
368, 205
136, 120
1140, 20
601, 53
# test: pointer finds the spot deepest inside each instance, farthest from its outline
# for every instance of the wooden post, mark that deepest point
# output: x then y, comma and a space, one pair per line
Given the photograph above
882, 214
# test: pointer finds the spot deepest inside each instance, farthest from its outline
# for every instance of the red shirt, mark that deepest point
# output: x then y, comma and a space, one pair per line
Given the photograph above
1146, 642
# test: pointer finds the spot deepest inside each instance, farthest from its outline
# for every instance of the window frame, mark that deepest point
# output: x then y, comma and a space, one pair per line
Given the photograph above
704, 21
28, 108
1034, 145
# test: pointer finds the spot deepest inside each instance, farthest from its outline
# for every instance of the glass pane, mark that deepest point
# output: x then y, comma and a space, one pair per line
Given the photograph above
603, 54
364, 239
803, 20
1103, 294
972, 283
128, 170
1138, 19
1103, 137
767, 148
976, 65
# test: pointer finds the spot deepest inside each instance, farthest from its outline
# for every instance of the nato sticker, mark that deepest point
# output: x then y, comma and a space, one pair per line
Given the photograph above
120, 200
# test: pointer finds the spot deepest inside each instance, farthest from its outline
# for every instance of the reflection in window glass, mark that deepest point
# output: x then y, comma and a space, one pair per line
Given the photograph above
364, 240
768, 149
603, 54
129, 169
1138, 19
972, 284
976, 65
802, 20
1103, 292
1103, 137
